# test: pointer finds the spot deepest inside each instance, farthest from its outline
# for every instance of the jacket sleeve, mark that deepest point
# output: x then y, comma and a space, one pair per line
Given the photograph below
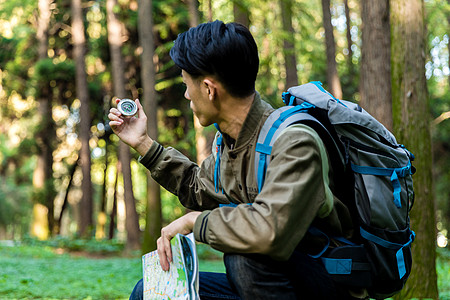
193, 185
294, 193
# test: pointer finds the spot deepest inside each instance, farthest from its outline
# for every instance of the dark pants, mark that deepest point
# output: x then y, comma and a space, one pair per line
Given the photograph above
259, 277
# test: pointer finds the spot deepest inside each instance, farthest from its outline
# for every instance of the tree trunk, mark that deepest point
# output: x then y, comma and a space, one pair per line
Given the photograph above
375, 78
113, 214
412, 127
351, 69
58, 222
290, 61
210, 12
194, 16
334, 84
85, 227
153, 222
241, 13
115, 44
100, 232
448, 44
42, 217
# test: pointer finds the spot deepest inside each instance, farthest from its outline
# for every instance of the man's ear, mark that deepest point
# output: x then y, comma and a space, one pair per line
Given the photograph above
211, 87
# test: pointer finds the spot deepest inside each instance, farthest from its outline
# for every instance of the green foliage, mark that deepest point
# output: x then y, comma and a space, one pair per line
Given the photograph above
437, 72
15, 207
73, 244
205, 252
44, 194
48, 69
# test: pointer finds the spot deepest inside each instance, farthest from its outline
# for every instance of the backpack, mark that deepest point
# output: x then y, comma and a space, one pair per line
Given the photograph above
373, 178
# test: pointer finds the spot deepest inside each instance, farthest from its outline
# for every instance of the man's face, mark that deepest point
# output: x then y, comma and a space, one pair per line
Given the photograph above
198, 93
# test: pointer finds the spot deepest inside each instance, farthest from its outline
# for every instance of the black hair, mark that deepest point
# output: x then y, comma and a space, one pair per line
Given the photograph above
227, 51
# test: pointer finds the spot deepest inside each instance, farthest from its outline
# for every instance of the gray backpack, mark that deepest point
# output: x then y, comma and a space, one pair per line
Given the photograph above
373, 178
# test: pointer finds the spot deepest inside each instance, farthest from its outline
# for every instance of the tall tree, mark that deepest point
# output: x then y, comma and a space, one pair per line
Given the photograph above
194, 16
334, 83
351, 69
85, 226
241, 13
210, 10
115, 38
375, 80
42, 175
290, 61
448, 44
412, 127
146, 39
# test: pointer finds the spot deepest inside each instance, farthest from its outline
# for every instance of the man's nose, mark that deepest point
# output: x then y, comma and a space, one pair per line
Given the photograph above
186, 95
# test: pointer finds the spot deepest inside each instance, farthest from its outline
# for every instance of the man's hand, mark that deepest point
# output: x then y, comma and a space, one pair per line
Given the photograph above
183, 225
132, 131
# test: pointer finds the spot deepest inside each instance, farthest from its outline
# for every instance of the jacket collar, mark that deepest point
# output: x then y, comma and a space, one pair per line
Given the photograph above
257, 114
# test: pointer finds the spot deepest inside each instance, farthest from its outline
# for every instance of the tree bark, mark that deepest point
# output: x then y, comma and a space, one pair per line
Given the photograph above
448, 44
241, 13
334, 83
85, 227
375, 78
194, 16
290, 61
412, 127
210, 12
351, 69
113, 214
153, 222
115, 44
100, 232
42, 218
58, 222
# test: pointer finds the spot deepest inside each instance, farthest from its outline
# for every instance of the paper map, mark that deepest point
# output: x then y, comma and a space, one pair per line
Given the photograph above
172, 284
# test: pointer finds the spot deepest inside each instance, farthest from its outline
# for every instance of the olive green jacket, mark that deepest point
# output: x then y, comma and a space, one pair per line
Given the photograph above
296, 190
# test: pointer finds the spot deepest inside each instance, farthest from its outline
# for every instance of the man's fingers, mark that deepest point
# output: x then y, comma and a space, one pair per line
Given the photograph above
114, 118
168, 250
163, 261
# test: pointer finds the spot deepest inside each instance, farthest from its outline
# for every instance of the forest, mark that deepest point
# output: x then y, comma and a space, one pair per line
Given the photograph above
64, 62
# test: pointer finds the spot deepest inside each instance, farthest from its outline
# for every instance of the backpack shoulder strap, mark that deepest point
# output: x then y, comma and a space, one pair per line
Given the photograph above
277, 121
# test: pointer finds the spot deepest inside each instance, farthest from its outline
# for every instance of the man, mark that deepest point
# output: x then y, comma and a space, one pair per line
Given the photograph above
266, 245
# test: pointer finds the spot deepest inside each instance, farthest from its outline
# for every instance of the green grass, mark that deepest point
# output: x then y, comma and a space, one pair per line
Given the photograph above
37, 272
29, 272
443, 271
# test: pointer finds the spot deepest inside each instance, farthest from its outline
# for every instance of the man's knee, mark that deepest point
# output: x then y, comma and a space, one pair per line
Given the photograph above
239, 272
239, 268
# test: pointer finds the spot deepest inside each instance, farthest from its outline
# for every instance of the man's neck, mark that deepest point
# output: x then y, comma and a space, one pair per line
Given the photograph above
233, 114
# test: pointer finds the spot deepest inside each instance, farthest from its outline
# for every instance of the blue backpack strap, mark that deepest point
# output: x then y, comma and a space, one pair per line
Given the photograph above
401, 265
274, 125
277, 122
337, 266
394, 173
219, 145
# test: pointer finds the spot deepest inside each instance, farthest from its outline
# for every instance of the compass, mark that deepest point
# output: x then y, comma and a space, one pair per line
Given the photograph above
127, 107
